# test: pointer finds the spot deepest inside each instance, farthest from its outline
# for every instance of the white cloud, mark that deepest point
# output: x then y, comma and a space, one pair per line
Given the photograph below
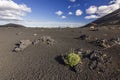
78, 12
104, 9
9, 10
69, 6
91, 10
72, 0
114, 1
111, 1
59, 13
63, 17
70, 13
91, 17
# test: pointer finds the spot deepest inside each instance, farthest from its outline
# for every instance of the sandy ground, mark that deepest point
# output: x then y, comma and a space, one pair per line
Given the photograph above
42, 62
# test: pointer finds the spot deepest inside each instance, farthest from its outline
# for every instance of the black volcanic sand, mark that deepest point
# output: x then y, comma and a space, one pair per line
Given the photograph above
42, 62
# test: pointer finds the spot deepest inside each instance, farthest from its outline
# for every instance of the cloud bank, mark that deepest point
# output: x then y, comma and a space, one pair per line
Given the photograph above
97, 12
52, 24
9, 10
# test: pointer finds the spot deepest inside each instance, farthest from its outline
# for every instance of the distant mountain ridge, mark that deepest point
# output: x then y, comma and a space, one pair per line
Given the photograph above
110, 19
12, 25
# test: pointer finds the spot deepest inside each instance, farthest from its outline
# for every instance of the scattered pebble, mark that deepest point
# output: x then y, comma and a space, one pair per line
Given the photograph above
99, 61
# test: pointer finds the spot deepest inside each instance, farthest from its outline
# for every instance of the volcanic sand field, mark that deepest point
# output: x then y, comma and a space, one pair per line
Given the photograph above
43, 62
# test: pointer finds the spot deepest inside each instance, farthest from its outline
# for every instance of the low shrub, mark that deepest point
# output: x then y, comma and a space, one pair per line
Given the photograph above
73, 59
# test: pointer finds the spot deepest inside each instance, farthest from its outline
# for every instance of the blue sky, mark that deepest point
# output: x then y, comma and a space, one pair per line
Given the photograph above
54, 13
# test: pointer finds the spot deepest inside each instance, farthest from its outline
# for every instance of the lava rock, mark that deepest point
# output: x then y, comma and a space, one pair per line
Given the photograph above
17, 49
95, 55
36, 42
84, 37
22, 45
78, 68
64, 59
101, 67
115, 40
103, 43
48, 40
79, 51
99, 61
93, 65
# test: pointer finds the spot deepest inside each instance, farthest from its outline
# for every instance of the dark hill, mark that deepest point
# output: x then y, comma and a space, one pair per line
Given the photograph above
12, 25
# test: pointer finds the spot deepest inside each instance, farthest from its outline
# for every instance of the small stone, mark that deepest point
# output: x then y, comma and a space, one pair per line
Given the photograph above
115, 41
102, 43
95, 55
93, 28
93, 65
64, 59
79, 53
88, 51
35, 34
84, 37
36, 42
17, 49
78, 68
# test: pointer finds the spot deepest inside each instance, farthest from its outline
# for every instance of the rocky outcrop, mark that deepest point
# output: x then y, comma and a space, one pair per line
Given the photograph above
23, 44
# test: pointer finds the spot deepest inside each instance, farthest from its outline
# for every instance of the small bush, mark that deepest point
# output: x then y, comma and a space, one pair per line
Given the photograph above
73, 59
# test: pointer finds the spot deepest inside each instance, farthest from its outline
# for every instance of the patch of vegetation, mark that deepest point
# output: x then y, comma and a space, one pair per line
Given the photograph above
95, 59
73, 59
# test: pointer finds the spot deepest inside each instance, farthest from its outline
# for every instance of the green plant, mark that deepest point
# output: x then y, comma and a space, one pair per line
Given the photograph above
73, 59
